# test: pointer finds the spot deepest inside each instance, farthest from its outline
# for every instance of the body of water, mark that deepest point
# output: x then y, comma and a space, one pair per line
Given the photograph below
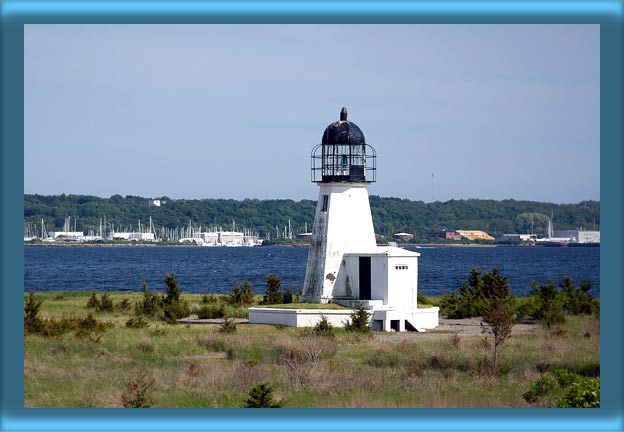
214, 270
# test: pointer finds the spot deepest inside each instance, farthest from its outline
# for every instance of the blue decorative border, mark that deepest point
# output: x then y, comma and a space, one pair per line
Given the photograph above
17, 13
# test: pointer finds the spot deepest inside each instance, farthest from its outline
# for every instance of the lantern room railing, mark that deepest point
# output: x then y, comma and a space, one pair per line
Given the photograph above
344, 163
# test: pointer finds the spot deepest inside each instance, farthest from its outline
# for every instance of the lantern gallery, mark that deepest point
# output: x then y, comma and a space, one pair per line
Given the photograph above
345, 265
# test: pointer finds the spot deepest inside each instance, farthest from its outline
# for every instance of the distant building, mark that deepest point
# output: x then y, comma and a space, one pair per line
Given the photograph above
139, 236
474, 235
231, 238
66, 234
448, 235
579, 236
516, 238
403, 236
154, 203
134, 236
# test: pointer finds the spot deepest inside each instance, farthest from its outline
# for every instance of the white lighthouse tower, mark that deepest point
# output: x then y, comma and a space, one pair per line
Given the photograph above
342, 165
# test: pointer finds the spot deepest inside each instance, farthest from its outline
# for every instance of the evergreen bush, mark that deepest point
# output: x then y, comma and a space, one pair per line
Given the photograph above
151, 305
32, 323
323, 328
261, 396
93, 302
137, 322
548, 304
359, 321
106, 303
174, 308
273, 294
242, 295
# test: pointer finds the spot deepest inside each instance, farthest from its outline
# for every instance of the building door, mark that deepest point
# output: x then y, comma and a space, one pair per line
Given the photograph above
365, 278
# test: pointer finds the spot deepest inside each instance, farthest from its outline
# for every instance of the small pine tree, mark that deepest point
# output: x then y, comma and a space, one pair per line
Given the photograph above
93, 302
173, 290
151, 304
549, 308
138, 392
323, 328
32, 322
359, 321
273, 294
174, 308
242, 295
106, 303
498, 311
261, 396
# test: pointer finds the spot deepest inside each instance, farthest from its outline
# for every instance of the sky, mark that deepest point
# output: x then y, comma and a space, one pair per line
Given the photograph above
233, 111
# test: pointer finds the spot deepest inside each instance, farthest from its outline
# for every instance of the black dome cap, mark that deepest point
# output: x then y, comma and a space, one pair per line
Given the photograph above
343, 132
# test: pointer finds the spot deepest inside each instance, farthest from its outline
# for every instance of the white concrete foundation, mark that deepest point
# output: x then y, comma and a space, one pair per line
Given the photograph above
381, 319
298, 317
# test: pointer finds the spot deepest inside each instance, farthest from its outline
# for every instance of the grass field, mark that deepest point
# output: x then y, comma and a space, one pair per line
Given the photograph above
199, 366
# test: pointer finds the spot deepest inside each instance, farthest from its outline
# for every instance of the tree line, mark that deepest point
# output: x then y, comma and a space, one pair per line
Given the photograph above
270, 217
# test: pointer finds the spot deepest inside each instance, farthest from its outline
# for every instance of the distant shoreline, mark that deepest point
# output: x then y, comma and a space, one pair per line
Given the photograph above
188, 245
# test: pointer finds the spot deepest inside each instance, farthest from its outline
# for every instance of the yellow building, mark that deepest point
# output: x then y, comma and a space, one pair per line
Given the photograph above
474, 235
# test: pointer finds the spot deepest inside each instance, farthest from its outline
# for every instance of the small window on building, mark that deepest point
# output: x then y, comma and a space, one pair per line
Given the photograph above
325, 202
401, 267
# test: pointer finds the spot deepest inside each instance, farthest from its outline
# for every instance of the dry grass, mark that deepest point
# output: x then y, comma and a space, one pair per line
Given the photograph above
196, 366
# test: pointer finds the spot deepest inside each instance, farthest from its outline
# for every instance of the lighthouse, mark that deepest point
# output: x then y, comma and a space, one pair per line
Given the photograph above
345, 265
343, 165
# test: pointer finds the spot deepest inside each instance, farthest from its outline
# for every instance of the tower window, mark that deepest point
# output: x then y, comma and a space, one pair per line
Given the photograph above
325, 202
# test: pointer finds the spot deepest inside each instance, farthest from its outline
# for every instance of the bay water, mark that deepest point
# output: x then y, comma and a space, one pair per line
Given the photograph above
214, 270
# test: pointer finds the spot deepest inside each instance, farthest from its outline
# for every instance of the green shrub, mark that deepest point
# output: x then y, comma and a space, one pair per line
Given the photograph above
323, 328
125, 305
151, 305
209, 298
577, 300
106, 303
261, 396
582, 393
138, 392
176, 311
540, 388
525, 308
242, 295
137, 322
211, 311
359, 321
549, 305
273, 294
32, 323
228, 326
173, 290
173, 307
56, 328
471, 299
93, 302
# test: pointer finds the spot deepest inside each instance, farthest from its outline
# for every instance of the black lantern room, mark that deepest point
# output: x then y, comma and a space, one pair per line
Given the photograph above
343, 155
